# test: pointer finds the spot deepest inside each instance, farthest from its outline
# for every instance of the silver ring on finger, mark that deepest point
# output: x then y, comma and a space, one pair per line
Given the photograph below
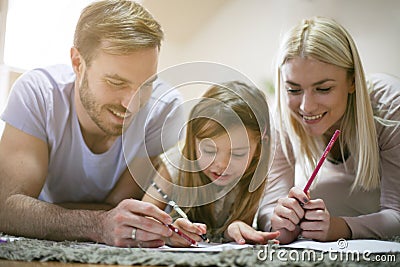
133, 234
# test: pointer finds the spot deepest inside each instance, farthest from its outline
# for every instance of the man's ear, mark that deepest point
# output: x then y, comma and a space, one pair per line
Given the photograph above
77, 61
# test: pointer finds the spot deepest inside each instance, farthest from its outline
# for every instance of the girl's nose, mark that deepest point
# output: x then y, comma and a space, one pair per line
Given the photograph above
222, 161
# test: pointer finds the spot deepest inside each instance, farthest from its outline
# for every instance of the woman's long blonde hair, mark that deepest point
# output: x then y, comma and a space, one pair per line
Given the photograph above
325, 40
213, 116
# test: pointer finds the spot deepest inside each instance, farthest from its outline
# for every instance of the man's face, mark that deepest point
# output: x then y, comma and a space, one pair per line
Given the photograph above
113, 88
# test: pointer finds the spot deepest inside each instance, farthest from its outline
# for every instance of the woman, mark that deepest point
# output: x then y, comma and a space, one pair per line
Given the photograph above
321, 87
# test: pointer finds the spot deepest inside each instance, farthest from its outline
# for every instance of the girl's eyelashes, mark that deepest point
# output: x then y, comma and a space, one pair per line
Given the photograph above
236, 155
239, 155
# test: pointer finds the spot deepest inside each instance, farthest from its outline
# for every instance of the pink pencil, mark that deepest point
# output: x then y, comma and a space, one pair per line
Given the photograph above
181, 234
321, 160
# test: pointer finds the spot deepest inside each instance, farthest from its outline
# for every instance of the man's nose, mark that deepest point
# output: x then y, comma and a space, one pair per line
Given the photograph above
131, 99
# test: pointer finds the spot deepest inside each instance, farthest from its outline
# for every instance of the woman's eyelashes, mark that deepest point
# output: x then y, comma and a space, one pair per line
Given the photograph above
294, 91
324, 89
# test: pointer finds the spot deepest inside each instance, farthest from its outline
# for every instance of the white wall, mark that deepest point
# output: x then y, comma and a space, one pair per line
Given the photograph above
244, 34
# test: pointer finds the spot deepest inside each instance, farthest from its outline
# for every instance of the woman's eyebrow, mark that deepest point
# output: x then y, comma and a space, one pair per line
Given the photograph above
314, 84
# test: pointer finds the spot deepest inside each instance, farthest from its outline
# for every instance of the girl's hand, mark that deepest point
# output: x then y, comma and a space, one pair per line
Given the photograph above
193, 230
316, 223
243, 233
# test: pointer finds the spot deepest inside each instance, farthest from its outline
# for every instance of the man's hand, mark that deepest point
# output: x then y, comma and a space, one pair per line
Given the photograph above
192, 230
149, 221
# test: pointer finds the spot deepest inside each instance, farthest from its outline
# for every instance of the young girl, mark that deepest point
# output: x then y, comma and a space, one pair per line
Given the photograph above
221, 172
321, 87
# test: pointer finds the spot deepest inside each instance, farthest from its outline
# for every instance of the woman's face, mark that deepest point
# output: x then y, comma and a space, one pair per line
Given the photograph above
225, 158
316, 93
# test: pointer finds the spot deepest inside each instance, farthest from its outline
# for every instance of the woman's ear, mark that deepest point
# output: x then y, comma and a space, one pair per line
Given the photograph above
352, 87
77, 61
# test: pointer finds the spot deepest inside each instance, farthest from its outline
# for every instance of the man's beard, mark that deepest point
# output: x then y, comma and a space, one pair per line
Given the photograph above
94, 110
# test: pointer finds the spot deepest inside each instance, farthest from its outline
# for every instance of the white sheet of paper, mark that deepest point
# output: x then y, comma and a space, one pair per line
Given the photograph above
360, 245
205, 247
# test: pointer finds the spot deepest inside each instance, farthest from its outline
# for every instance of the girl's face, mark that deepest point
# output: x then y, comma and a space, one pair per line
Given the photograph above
316, 93
224, 159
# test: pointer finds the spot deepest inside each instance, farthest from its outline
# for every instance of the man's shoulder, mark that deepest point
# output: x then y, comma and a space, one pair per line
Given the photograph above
164, 92
55, 76
46, 82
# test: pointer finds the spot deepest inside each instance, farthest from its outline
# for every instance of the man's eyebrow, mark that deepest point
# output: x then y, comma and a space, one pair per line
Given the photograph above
117, 77
314, 84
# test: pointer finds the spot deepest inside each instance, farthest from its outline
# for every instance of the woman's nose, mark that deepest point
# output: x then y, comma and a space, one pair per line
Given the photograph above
308, 104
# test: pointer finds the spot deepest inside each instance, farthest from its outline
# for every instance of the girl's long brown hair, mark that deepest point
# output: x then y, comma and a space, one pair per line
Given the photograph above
221, 108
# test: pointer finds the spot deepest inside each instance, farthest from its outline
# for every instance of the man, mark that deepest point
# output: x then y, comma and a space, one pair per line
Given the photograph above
63, 161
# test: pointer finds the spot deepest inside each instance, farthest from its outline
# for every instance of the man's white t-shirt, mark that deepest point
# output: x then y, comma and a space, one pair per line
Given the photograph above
41, 104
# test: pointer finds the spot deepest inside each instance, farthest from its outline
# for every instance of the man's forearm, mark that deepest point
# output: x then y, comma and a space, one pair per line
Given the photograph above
26, 216
86, 206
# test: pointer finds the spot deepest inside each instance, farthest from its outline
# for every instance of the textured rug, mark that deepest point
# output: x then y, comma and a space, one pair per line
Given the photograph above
25, 249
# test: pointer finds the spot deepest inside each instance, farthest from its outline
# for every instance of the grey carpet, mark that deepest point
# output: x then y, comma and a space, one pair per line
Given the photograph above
26, 249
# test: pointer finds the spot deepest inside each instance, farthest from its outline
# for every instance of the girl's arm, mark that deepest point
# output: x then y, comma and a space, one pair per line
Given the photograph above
162, 178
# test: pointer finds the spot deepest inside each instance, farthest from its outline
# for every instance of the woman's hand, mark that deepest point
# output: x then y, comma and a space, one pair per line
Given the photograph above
288, 214
296, 214
192, 230
316, 222
243, 233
